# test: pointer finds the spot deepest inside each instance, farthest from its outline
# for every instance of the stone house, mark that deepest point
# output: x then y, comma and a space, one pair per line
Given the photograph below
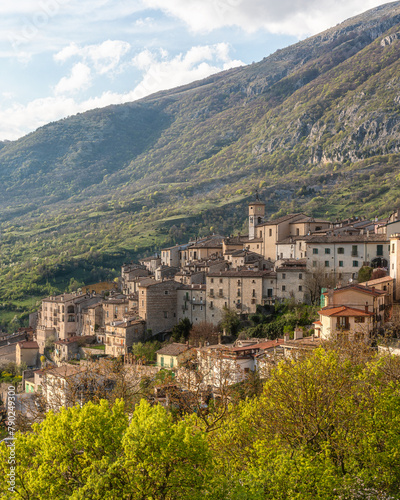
27, 352
291, 282
352, 311
150, 263
172, 355
121, 335
340, 255
171, 256
157, 304
62, 316
238, 290
204, 249
115, 309
191, 303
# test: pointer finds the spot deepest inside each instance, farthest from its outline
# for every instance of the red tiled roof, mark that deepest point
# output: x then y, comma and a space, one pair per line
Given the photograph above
28, 345
344, 311
358, 288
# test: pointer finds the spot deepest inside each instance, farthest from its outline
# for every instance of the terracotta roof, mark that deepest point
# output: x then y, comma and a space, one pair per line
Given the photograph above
378, 281
357, 287
245, 273
343, 311
345, 238
28, 345
149, 283
213, 242
262, 346
173, 349
311, 219
281, 219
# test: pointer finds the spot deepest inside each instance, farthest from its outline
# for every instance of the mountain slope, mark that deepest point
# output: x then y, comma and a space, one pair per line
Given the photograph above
312, 127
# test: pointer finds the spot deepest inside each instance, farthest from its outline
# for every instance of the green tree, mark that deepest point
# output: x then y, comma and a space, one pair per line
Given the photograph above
230, 322
181, 331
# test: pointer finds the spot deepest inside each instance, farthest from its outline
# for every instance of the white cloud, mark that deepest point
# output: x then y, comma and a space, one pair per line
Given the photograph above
158, 73
105, 56
295, 18
79, 79
199, 62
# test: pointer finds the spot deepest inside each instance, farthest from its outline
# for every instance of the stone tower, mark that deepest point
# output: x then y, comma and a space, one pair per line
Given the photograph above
256, 215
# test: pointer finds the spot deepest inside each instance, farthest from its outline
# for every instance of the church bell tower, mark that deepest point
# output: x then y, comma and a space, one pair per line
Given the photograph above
256, 215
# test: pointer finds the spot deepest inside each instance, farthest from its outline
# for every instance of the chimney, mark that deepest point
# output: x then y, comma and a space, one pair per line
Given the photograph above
366, 307
298, 333
286, 337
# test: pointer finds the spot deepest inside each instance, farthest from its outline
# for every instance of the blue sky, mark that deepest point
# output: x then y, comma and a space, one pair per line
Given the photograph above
62, 57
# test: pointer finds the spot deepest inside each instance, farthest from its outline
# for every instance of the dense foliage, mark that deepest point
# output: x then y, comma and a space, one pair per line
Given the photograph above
324, 427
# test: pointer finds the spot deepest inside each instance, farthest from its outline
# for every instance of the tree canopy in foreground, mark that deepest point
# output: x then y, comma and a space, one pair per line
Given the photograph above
325, 427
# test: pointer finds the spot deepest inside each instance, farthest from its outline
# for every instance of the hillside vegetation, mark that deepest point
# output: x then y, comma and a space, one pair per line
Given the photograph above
313, 127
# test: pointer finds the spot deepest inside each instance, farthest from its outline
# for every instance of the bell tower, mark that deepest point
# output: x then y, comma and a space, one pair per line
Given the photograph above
256, 215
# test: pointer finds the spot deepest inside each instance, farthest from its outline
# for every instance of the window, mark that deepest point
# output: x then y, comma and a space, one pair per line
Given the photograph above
211, 292
297, 231
359, 319
260, 234
354, 251
300, 288
314, 263
165, 314
165, 292
379, 249
221, 280
340, 250
254, 293
300, 276
283, 276
392, 247
269, 292
327, 263
238, 283
221, 292
238, 292
355, 263
270, 232
212, 280
327, 251
283, 288
341, 263
315, 251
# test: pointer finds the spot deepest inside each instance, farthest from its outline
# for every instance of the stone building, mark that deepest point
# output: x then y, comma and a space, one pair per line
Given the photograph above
291, 280
238, 290
121, 335
191, 303
157, 304
62, 316
27, 352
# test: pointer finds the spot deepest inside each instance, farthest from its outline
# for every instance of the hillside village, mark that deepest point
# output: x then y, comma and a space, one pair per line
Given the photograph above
293, 258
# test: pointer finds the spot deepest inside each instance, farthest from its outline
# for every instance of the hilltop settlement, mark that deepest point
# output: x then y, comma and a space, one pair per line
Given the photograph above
292, 258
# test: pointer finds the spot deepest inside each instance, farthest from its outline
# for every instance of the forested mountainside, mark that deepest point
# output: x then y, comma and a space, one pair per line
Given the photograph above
313, 127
